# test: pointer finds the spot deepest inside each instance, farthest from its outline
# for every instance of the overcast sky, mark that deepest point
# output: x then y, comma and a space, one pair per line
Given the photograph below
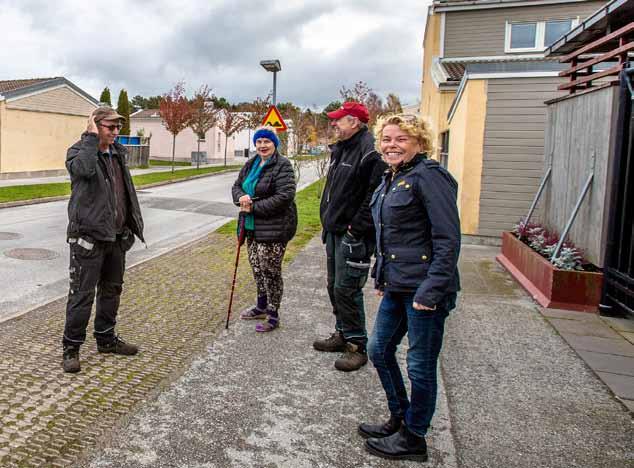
146, 46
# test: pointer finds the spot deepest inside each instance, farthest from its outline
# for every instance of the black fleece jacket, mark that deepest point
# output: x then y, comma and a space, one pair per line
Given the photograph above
355, 171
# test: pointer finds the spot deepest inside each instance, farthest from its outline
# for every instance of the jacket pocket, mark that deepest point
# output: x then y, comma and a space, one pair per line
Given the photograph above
406, 267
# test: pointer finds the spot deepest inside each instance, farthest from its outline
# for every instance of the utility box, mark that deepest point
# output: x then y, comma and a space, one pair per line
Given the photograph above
199, 157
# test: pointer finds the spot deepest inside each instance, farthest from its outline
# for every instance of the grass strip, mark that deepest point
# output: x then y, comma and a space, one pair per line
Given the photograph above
154, 177
34, 191
308, 225
29, 192
158, 162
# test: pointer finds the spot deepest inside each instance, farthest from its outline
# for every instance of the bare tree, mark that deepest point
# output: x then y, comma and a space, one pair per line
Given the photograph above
374, 105
203, 116
392, 104
359, 92
175, 110
255, 113
231, 122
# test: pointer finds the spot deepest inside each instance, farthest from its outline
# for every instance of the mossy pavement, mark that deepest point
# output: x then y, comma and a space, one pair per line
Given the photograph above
171, 307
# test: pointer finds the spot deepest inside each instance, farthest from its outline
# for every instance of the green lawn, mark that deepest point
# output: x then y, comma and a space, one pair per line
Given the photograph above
156, 162
154, 177
30, 192
308, 223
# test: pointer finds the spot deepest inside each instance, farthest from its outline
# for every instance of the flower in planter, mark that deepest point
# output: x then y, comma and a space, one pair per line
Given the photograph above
544, 242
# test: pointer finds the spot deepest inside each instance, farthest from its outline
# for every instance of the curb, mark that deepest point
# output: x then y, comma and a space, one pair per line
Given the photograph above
36, 201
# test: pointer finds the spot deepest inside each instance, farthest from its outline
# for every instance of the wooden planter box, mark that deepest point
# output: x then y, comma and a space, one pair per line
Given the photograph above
549, 286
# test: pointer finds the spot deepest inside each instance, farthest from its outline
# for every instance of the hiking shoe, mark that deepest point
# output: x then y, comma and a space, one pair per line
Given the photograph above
70, 359
117, 346
333, 344
353, 358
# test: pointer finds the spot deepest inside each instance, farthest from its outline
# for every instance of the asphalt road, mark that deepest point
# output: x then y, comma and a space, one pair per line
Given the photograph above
34, 253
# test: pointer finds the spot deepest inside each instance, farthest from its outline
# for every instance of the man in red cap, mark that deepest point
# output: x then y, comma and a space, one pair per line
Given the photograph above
355, 171
103, 218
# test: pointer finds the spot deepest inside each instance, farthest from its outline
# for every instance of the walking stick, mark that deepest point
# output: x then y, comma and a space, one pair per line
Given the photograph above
241, 234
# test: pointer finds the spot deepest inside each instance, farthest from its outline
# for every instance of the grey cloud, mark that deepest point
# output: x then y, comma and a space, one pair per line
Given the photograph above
153, 47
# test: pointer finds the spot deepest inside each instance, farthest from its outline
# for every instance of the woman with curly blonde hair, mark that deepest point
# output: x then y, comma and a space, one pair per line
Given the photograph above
418, 242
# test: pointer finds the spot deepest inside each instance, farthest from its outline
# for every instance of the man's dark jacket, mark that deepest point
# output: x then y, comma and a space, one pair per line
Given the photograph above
355, 171
274, 211
91, 208
417, 231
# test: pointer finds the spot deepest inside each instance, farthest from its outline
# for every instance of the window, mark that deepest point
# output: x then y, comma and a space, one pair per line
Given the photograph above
555, 29
444, 149
535, 36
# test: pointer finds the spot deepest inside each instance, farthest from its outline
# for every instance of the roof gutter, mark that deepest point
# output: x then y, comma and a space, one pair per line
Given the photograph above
584, 25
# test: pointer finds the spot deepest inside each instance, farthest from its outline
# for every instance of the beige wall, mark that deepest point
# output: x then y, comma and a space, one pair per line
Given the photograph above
435, 103
466, 139
186, 141
36, 141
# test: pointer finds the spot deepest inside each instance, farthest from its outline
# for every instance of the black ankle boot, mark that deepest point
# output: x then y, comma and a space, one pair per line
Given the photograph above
403, 445
378, 431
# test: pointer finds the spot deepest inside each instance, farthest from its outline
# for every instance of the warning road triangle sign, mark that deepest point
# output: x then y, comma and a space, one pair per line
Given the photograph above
274, 119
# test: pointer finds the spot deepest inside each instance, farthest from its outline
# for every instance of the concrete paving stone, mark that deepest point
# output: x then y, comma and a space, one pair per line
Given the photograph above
628, 336
614, 364
620, 324
621, 385
583, 328
569, 314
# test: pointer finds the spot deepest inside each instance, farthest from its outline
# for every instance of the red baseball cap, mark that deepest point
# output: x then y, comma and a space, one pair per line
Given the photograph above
354, 109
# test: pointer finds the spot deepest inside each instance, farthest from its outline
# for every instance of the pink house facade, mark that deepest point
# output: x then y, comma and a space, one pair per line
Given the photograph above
149, 123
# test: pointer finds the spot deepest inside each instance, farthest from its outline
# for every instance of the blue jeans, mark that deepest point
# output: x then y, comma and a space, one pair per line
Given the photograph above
395, 318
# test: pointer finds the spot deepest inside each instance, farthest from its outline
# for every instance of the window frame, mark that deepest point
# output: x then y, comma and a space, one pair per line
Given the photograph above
540, 34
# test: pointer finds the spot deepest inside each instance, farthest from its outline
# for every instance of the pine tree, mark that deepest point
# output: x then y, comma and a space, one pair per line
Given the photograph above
123, 108
105, 97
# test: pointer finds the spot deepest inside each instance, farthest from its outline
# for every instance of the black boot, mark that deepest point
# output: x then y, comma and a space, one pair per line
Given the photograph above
70, 359
378, 431
403, 445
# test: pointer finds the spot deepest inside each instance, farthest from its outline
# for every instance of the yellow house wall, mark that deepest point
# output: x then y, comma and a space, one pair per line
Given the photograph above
435, 103
466, 143
36, 141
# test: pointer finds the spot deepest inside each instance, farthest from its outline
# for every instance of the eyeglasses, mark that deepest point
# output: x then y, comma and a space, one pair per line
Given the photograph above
112, 128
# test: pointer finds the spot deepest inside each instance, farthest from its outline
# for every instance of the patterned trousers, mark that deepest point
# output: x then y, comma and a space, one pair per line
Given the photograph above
266, 262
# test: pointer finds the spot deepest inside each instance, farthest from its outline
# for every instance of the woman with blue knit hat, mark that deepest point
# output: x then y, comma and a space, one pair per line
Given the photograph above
265, 192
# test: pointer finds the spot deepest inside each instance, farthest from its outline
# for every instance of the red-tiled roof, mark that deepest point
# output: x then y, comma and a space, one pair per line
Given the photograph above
146, 114
14, 85
454, 71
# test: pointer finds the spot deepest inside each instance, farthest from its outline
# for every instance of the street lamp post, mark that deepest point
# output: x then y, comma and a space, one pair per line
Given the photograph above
272, 66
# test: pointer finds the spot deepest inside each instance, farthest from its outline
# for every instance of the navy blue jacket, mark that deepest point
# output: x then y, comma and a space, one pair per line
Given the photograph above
417, 231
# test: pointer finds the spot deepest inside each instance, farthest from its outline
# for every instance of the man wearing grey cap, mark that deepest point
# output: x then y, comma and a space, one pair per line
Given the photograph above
103, 218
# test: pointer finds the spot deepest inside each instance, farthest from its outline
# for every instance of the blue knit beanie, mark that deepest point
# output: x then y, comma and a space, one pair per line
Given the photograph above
268, 134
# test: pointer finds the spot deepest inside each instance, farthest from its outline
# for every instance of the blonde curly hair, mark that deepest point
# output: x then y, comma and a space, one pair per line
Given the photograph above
414, 126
